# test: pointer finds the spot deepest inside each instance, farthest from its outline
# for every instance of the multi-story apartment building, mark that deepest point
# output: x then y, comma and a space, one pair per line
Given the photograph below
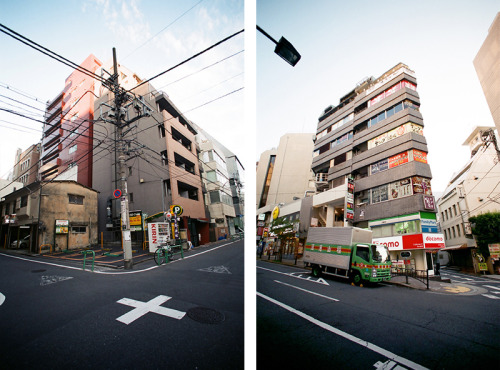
161, 160
26, 165
487, 64
66, 148
285, 173
218, 196
471, 191
372, 152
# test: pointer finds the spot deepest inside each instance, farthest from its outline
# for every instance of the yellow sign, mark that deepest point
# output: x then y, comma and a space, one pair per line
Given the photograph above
174, 208
276, 212
135, 220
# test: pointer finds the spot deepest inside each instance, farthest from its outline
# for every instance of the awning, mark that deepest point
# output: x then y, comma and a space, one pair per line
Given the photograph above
456, 247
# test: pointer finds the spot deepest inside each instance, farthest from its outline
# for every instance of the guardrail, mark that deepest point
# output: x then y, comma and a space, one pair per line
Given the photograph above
85, 252
420, 275
44, 245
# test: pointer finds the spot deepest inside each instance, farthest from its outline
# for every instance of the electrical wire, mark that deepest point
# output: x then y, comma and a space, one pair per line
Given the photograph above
189, 59
163, 29
49, 53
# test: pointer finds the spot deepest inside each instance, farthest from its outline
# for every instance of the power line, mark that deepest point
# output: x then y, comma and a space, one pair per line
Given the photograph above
49, 53
200, 70
188, 59
163, 29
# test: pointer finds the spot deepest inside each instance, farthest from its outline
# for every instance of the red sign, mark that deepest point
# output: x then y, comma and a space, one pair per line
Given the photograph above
398, 159
117, 193
419, 156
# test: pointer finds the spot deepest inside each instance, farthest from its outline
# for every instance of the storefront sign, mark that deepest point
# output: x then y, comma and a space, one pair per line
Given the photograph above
135, 221
413, 241
398, 159
494, 250
435, 241
62, 226
428, 226
158, 233
429, 202
419, 156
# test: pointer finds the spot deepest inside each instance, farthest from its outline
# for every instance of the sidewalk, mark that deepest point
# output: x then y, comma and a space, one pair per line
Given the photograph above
436, 284
107, 257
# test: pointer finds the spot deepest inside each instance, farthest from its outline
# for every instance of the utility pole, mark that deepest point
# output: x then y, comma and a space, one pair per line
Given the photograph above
119, 98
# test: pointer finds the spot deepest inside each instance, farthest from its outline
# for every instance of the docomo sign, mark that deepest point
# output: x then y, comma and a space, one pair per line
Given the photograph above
415, 241
393, 243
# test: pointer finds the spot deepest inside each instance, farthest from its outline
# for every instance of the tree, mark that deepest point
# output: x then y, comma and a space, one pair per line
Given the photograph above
486, 228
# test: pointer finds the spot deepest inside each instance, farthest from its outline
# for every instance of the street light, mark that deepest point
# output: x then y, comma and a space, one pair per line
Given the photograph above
284, 49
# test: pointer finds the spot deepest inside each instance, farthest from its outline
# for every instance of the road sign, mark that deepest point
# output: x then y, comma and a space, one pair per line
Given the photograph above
406, 254
117, 193
174, 208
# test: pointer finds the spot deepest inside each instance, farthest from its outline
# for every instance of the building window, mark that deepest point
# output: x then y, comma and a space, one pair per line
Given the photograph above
161, 130
73, 149
164, 158
78, 229
24, 201
187, 191
75, 199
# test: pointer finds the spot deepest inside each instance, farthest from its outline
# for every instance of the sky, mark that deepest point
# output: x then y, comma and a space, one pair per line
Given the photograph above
342, 42
149, 36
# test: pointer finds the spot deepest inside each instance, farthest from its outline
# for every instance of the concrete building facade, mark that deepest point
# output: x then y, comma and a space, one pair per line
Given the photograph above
285, 172
370, 157
473, 190
487, 65
161, 160
26, 165
59, 215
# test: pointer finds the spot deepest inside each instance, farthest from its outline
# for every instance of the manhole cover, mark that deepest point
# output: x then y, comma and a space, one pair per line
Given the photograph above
42, 270
205, 315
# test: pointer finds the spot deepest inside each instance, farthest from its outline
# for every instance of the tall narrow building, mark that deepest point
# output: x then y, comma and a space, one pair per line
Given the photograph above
487, 65
371, 152
66, 150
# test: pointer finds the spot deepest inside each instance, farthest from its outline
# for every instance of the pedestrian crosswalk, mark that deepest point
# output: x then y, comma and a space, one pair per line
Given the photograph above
492, 286
495, 290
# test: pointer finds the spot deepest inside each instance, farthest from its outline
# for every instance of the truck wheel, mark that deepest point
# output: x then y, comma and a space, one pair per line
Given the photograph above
356, 277
316, 271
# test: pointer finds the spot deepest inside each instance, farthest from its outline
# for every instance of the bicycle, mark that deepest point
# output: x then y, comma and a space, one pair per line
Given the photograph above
163, 254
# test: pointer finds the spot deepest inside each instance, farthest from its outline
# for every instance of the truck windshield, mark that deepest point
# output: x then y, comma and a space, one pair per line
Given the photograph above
379, 253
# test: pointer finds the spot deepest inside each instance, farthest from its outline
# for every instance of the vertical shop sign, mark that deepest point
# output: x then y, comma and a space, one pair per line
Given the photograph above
349, 199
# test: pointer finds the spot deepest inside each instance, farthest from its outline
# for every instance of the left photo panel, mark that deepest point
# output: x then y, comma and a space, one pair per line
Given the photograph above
122, 184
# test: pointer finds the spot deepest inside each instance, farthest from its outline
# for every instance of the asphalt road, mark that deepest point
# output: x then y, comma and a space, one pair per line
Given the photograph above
327, 323
188, 314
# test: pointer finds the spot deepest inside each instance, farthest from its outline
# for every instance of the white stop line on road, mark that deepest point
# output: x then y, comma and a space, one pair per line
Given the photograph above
2, 298
142, 308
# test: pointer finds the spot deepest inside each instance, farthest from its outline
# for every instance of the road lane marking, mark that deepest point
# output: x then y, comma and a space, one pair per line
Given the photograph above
142, 308
490, 296
492, 287
307, 291
292, 274
352, 338
47, 280
217, 270
2, 299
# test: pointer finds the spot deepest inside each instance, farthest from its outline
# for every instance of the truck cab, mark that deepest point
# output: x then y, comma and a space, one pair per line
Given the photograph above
370, 262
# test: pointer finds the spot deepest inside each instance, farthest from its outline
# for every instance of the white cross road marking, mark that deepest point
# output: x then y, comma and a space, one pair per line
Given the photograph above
46, 280
142, 308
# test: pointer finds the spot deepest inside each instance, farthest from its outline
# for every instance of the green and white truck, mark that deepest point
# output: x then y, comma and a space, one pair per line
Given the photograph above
346, 252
